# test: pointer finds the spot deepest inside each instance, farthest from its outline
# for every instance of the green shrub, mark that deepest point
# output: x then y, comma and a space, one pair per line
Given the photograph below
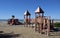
57, 24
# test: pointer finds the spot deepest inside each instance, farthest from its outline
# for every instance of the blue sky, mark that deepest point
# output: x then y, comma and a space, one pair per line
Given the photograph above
18, 7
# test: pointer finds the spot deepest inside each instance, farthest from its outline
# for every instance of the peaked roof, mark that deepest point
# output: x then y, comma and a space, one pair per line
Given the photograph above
39, 10
27, 13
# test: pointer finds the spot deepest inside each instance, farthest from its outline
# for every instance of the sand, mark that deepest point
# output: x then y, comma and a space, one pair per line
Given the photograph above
24, 32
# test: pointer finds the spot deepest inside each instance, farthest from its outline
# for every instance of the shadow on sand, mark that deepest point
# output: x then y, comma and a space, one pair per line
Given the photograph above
8, 35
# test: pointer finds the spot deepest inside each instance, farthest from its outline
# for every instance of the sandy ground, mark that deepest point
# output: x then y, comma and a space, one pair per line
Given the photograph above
25, 32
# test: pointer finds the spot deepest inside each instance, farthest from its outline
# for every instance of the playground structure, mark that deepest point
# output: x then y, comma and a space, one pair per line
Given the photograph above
14, 21
43, 24
27, 18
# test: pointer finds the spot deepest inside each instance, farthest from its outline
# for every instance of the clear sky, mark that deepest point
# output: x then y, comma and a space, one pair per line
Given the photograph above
18, 7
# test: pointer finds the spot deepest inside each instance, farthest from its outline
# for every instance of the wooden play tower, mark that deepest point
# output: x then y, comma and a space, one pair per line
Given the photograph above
42, 23
27, 18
